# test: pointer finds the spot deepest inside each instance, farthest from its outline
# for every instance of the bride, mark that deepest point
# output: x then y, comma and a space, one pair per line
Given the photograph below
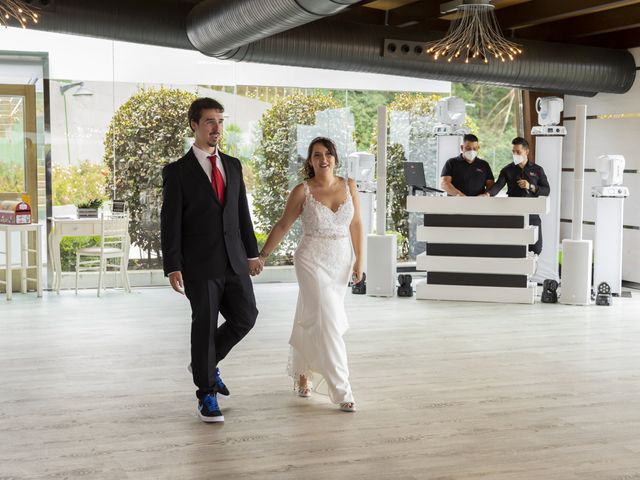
329, 254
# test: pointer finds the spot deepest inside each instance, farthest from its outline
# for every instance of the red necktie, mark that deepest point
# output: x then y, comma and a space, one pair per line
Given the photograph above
216, 179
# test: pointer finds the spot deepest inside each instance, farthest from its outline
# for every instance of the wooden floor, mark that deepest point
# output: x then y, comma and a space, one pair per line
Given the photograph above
98, 389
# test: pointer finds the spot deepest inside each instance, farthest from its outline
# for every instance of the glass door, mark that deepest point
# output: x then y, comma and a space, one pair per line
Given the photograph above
18, 155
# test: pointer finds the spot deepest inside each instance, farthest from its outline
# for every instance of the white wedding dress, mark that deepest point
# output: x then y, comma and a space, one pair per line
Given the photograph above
323, 264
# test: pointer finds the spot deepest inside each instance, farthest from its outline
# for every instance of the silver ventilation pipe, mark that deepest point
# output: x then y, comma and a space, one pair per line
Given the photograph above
571, 69
223, 27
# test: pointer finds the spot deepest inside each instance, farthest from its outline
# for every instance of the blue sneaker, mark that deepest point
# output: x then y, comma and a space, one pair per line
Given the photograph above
208, 409
221, 388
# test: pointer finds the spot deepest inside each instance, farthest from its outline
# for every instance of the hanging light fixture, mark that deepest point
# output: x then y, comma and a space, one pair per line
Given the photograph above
474, 36
17, 10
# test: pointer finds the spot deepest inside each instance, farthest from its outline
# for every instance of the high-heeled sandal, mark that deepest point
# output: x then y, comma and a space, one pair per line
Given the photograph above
348, 406
305, 391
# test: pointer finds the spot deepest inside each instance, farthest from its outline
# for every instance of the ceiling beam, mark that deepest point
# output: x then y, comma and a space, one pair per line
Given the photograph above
407, 15
543, 11
585, 26
498, 4
623, 39
387, 4
420, 11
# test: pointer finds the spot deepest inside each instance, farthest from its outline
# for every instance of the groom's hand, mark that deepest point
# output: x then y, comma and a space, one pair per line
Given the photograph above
255, 266
175, 278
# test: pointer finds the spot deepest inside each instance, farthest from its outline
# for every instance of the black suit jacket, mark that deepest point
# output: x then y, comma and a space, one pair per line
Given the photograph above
198, 234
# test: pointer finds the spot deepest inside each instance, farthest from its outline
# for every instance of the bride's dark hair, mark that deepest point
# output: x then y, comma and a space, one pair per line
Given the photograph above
307, 168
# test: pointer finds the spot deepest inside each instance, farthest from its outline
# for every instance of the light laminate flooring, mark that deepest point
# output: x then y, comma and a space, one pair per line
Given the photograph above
98, 389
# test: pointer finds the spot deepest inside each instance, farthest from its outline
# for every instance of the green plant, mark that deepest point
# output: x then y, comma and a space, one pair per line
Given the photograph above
397, 198
68, 248
232, 144
271, 161
12, 153
275, 258
401, 241
418, 104
72, 185
146, 132
93, 203
11, 176
492, 116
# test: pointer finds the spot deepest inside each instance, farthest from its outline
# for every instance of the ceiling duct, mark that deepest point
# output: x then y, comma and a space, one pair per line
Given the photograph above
143, 21
224, 27
564, 68
261, 31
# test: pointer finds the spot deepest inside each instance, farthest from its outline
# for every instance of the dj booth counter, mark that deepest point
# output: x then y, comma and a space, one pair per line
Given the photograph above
477, 247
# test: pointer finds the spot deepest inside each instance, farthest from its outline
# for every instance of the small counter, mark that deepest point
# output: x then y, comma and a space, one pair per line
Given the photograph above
477, 247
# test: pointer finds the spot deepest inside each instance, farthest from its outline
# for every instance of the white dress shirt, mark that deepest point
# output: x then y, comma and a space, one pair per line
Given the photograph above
205, 163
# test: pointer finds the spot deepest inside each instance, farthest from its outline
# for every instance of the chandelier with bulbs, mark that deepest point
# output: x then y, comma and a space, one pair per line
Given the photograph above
474, 36
18, 11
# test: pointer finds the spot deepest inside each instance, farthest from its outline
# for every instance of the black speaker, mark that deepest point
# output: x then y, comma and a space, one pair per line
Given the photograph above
405, 289
604, 297
360, 288
549, 291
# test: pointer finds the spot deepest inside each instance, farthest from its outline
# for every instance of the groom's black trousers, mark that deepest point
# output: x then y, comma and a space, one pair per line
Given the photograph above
232, 296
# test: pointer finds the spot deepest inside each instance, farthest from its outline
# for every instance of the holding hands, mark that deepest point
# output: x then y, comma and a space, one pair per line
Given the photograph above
256, 265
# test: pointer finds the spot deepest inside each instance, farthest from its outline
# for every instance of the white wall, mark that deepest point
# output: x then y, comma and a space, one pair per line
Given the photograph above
607, 136
94, 59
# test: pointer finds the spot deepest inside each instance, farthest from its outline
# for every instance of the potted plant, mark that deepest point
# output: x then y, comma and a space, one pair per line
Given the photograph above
89, 209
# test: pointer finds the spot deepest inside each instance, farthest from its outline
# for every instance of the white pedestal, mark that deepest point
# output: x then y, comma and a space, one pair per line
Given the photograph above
607, 253
381, 265
549, 157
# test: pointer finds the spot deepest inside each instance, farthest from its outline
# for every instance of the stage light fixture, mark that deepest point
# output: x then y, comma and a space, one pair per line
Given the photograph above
603, 296
405, 289
549, 291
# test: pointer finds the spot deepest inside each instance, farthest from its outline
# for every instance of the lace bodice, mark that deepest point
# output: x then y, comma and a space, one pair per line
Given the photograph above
318, 220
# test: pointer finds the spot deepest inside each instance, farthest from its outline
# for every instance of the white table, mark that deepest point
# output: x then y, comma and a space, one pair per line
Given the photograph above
24, 257
71, 227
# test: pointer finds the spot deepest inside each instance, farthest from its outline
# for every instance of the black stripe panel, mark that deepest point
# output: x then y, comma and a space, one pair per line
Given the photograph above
472, 250
477, 279
474, 221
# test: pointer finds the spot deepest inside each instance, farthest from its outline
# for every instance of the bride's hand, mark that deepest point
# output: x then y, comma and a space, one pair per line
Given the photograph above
356, 275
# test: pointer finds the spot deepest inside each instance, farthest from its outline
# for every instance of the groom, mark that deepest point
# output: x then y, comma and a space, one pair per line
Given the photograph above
209, 249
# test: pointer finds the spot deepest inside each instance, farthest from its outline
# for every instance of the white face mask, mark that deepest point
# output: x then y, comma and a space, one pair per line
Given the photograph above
470, 155
518, 159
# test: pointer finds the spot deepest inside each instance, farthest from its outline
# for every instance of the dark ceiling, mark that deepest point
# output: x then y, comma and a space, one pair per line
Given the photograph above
600, 23
284, 32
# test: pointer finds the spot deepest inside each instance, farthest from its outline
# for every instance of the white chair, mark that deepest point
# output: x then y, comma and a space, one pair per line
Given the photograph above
114, 244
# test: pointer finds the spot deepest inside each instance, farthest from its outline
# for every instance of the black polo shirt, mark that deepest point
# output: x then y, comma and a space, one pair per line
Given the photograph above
531, 172
469, 178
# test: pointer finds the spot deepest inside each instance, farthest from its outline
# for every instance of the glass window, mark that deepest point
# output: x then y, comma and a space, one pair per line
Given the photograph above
12, 143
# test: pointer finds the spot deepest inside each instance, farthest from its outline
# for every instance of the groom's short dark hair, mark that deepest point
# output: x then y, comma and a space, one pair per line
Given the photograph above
200, 104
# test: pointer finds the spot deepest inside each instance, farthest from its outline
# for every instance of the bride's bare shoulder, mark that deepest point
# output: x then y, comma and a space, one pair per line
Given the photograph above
297, 191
